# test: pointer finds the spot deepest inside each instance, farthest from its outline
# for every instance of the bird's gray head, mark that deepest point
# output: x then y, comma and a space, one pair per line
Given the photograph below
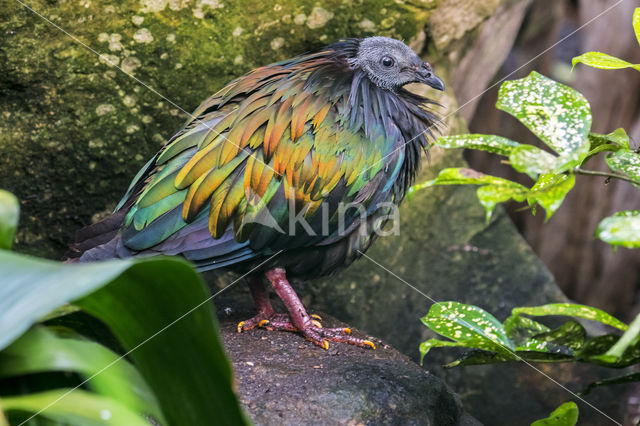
390, 64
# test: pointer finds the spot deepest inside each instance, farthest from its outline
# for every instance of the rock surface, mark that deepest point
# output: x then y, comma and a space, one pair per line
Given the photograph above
284, 380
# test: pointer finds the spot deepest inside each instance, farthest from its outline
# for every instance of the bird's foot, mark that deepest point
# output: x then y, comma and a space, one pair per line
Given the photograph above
315, 333
281, 321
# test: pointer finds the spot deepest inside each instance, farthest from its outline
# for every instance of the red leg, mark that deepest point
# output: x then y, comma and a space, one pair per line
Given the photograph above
302, 321
263, 304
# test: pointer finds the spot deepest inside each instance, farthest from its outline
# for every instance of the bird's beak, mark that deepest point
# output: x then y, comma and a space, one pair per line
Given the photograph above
426, 76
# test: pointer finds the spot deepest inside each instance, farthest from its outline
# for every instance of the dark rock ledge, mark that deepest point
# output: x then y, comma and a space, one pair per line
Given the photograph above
284, 380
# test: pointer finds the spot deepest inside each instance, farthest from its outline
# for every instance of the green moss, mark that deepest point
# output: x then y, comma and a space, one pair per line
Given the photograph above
74, 130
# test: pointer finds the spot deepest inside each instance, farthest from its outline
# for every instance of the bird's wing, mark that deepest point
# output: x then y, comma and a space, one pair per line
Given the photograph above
277, 138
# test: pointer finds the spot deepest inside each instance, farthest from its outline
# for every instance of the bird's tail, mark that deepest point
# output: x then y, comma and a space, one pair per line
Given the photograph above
97, 241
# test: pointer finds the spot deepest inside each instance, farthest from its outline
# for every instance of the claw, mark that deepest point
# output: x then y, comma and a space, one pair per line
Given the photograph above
316, 323
240, 325
369, 343
347, 331
263, 323
318, 317
325, 345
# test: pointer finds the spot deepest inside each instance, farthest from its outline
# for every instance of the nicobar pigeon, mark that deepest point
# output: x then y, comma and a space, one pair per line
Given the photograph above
295, 139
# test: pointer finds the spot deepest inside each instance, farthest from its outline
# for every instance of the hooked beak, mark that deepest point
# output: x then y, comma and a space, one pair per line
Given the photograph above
426, 76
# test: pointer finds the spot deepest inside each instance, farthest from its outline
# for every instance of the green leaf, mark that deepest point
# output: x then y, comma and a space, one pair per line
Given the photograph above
602, 61
549, 191
40, 350
31, 288
468, 326
143, 299
636, 23
490, 195
9, 214
621, 229
626, 162
570, 334
479, 357
160, 304
559, 115
490, 143
572, 310
496, 189
426, 346
564, 415
463, 176
629, 338
79, 408
627, 378
618, 137
520, 328
532, 160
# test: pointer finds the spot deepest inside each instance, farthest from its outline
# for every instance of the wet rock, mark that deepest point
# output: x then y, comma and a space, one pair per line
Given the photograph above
284, 380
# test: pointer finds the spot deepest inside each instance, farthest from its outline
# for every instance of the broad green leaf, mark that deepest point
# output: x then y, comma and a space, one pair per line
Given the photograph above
160, 304
572, 310
191, 381
626, 162
40, 350
636, 23
559, 115
532, 160
31, 288
627, 378
468, 325
621, 229
9, 214
490, 143
602, 61
79, 408
564, 415
549, 191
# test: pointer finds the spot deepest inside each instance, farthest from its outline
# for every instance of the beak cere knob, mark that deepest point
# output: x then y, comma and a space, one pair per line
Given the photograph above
427, 77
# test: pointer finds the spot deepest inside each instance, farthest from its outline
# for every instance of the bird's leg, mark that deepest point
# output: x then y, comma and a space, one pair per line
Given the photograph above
263, 304
301, 321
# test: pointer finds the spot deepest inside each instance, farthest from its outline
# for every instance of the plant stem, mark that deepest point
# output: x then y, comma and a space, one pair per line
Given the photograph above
579, 171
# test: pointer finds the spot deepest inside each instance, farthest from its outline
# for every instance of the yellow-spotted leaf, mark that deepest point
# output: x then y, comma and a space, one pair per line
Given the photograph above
532, 160
559, 115
626, 162
621, 229
489, 143
572, 310
468, 326
602, 61
549, 191
564, 415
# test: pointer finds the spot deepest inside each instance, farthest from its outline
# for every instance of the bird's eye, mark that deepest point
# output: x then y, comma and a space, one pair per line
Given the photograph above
387, 61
